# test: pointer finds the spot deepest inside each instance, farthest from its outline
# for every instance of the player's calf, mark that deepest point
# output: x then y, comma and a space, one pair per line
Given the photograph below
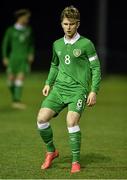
46, 134
75, 139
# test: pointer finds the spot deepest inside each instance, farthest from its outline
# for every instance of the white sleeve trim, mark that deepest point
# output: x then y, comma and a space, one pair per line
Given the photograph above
93, 58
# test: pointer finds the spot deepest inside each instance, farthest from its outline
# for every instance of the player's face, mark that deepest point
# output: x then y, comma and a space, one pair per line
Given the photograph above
24, 20
70, 27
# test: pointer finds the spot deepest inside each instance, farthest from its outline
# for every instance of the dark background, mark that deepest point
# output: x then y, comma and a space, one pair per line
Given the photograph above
103, 21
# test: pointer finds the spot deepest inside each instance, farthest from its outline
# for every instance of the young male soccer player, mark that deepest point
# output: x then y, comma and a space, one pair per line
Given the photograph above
74, 65
18, 54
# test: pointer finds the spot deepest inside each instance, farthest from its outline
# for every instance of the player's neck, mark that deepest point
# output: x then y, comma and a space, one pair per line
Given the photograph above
70, 37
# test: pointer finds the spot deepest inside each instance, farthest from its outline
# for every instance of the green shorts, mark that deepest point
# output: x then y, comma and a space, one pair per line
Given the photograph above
20, 68
57, 100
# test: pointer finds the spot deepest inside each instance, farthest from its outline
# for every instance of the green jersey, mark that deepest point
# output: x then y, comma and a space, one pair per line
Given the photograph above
75, 64
17, 44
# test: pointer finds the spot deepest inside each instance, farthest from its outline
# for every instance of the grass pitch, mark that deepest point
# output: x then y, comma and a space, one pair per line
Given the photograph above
104, 135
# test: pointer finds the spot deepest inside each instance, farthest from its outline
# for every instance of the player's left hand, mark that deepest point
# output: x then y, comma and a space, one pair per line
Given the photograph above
91, 100
30, 58
5, 62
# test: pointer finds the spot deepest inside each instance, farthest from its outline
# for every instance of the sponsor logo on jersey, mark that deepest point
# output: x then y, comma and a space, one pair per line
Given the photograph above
77, 52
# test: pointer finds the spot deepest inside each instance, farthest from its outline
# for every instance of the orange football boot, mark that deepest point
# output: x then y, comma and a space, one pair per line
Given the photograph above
49, 158
75, 167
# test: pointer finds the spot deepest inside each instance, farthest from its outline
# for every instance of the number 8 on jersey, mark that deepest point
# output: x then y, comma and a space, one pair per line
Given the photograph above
67, 59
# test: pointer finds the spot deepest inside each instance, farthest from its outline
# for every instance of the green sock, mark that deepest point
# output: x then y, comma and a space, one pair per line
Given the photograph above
75, 143
17, 93
12, 88
47, 136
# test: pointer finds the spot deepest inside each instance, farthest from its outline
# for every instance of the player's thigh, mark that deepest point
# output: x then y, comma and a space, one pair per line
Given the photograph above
72, 118
24, 68
10, 77
44, 115
21, 71
10, 73
53, 101
14, 73
77, 103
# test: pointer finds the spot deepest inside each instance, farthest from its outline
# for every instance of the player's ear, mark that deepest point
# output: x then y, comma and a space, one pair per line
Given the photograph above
62, 24
78, 24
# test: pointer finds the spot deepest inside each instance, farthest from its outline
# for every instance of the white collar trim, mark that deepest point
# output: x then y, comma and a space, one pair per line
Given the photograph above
19, 26
72, 40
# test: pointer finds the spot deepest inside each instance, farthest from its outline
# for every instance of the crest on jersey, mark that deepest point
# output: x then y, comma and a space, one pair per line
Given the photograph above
77, 52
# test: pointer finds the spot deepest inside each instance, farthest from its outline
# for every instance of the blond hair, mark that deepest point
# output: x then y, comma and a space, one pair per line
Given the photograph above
22, 12
70, 12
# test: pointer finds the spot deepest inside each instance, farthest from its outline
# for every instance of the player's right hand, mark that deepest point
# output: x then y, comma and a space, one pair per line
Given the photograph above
46, 90
5, 62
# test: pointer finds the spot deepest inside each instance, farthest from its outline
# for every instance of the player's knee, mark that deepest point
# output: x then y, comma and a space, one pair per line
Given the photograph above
11, 78
72, 119
20, 76
42, 117
71, 123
